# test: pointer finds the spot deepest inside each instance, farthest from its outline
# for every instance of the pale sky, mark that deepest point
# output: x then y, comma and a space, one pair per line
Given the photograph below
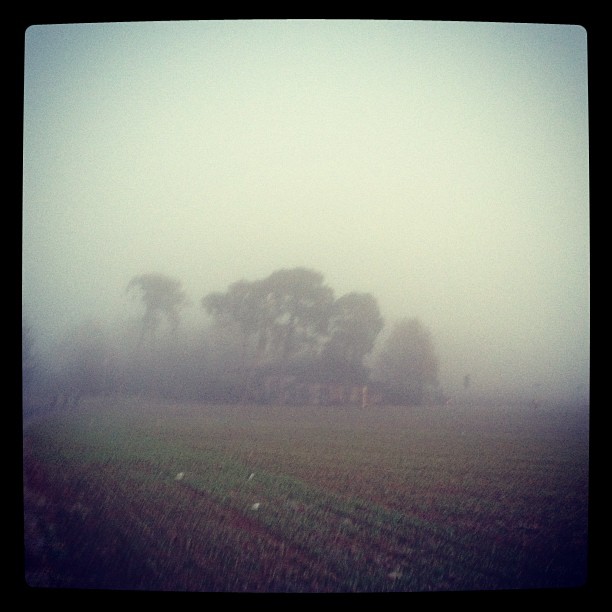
442, 167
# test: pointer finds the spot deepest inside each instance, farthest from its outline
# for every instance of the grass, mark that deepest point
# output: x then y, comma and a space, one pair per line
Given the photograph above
348, 500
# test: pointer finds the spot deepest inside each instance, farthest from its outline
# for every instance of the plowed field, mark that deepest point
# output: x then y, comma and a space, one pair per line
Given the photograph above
130, 494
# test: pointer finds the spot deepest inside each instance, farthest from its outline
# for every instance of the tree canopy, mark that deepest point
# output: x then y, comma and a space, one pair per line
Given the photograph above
291, 319
284, 336
407, 363
353, 327
161, 296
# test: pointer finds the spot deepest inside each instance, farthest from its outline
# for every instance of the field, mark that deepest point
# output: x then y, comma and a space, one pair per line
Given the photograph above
129, 494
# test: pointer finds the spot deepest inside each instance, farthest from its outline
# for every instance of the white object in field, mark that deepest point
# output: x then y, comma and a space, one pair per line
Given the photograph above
255, 506
251, 476
179, 476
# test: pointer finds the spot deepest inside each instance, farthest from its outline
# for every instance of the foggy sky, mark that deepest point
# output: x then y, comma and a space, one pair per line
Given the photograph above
442, 167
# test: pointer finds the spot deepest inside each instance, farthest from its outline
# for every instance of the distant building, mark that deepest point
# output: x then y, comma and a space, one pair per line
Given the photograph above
292, 390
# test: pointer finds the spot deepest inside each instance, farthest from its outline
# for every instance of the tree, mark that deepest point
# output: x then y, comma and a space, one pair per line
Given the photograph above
240, 308
354, 325
407, 364
297, 309
161, 296
236, 332
281, 321
281, 317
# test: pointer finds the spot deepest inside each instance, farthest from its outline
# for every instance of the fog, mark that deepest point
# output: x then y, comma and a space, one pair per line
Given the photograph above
441, 167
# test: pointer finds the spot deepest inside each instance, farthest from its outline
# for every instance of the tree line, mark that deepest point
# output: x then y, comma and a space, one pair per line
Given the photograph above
289, 323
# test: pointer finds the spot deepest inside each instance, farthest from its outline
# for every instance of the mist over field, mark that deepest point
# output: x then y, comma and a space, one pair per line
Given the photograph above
440, 167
